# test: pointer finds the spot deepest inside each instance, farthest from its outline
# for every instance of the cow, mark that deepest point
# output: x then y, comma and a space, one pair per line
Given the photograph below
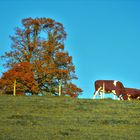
109, 86
131, 93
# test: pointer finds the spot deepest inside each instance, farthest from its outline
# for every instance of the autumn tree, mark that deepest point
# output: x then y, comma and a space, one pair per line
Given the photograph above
40, 42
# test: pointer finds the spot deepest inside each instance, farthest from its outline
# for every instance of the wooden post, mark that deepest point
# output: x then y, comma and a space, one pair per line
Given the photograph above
14, 92
103, 90
60, 87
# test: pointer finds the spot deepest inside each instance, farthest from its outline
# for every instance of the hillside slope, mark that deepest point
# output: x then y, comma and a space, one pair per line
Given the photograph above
59, 118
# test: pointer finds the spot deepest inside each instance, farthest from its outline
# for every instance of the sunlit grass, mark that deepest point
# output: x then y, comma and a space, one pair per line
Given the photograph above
63, 118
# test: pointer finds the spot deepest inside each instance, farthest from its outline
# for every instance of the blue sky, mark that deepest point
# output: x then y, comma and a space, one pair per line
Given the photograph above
103, 36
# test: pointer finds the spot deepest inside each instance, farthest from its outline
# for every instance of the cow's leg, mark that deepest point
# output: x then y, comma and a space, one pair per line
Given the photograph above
138, 97
120, 97
114, 97
94, 94
117, 94
129, 97
97, 91
114, 92
102, 95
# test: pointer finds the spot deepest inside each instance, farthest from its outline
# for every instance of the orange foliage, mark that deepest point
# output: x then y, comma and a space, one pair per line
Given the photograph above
39, 62
22, 73
72, 90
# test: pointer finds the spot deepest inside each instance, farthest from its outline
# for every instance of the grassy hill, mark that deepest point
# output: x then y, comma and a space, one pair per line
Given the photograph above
63, 118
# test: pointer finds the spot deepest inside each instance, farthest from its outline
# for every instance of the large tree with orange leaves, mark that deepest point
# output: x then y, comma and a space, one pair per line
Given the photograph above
40, 42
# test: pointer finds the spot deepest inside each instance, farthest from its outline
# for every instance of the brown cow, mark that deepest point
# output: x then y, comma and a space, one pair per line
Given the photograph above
109, 86
131, 93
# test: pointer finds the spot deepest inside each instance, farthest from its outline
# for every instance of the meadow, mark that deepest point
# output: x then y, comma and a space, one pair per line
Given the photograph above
64, 118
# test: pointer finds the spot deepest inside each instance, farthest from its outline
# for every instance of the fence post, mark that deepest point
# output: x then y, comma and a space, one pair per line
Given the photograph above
14, 92
103, 90
60, 87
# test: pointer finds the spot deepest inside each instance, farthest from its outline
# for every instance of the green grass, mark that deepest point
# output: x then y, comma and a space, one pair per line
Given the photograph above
59, 118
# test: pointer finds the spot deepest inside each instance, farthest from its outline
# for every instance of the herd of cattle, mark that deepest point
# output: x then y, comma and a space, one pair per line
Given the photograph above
117, 88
